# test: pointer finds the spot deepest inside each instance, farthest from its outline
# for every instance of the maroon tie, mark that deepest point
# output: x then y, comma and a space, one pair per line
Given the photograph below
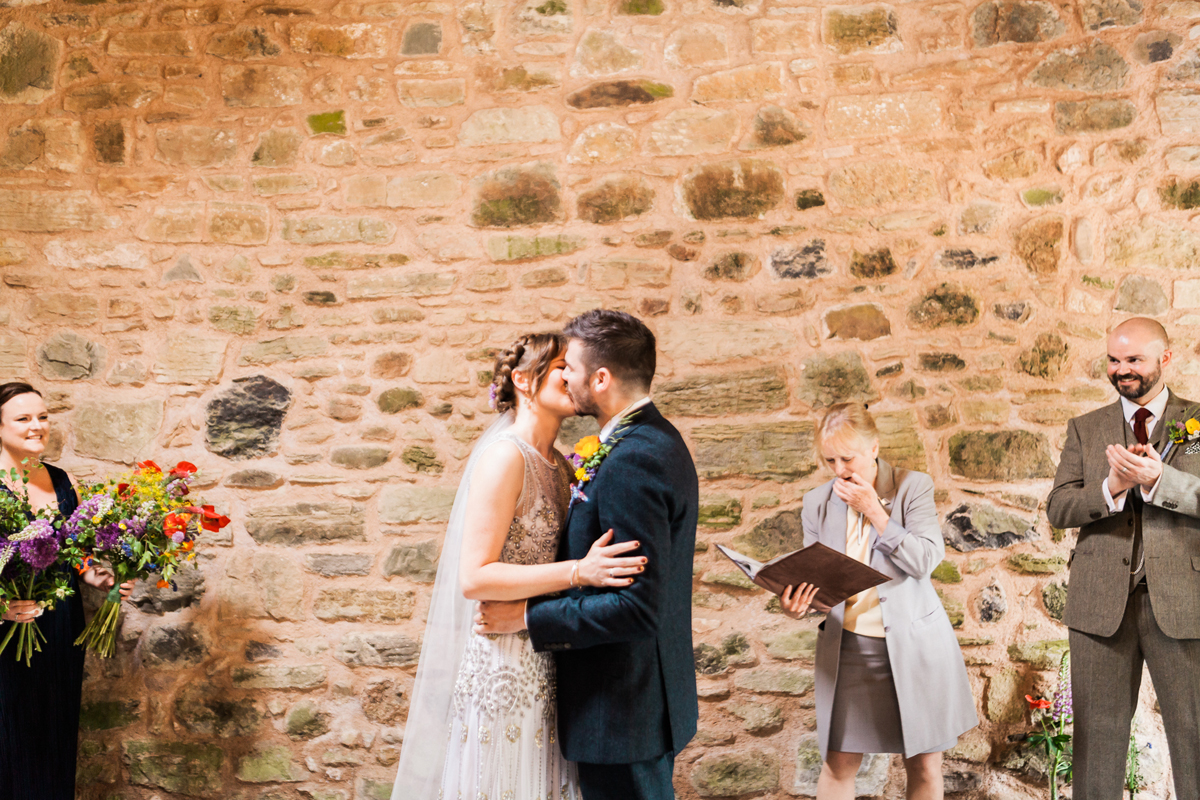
1139, 425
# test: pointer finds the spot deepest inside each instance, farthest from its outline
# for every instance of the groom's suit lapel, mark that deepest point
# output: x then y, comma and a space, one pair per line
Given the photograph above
640, 417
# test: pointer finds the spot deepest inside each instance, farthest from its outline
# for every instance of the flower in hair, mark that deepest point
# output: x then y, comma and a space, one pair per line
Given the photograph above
492, 397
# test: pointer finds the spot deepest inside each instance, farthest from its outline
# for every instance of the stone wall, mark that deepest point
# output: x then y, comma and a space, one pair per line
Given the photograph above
282, 239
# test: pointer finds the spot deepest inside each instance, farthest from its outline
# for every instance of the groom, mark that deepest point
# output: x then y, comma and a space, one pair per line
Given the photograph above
626, 674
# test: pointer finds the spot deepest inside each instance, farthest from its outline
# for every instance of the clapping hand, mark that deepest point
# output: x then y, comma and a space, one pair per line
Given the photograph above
796, 600
1137, 465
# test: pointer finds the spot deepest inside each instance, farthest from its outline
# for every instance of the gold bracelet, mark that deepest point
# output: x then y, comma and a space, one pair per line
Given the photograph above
575, 574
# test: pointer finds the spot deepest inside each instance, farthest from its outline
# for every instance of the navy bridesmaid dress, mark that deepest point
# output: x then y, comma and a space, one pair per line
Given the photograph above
39, 704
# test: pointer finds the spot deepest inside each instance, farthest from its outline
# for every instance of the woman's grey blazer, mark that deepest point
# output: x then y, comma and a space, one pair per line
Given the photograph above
936, 703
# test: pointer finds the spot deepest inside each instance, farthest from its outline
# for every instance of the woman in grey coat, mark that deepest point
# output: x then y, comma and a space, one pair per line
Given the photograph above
890, 675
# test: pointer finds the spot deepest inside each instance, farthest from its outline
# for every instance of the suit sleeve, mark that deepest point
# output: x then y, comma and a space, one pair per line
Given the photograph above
641, 513
1177, 491
1072, 503
917, 546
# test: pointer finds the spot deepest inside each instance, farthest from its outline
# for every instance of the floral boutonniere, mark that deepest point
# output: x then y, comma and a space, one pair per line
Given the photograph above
589, 453
1185, 431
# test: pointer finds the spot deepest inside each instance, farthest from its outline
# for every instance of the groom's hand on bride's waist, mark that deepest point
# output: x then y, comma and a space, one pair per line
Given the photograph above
499, 616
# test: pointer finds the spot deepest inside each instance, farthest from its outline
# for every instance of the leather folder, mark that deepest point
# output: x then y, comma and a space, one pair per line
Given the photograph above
837, 575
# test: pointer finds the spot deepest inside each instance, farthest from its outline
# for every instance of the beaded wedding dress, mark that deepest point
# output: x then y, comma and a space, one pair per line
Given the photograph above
502, 742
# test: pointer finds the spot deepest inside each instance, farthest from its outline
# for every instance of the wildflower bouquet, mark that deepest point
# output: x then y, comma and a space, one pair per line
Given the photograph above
589, 453
142, 525
30, 546
1055, 716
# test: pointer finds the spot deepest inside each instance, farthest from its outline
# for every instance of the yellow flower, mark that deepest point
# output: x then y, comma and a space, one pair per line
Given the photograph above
1193, 426
580, 474
587, 447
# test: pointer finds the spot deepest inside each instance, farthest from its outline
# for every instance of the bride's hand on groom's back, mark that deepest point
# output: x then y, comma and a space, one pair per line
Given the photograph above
602, 567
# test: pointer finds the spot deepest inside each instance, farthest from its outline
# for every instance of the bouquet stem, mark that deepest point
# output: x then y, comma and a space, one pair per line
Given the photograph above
29, 640
101, 633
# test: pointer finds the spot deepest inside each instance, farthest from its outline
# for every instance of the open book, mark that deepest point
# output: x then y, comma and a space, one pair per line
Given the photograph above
837, 575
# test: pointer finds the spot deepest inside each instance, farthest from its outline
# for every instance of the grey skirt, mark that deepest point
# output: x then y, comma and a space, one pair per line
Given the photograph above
866, 714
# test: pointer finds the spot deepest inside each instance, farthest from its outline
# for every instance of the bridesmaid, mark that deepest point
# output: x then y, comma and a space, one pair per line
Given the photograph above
39, 704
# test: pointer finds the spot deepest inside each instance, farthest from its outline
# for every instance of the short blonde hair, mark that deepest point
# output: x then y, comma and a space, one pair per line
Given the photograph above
846, 421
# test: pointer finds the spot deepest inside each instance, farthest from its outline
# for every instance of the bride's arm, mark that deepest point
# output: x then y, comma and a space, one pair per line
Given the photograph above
495, 489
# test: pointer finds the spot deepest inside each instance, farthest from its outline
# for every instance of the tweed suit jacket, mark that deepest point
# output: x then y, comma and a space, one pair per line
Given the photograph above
932, 687
1103, 556
626, 673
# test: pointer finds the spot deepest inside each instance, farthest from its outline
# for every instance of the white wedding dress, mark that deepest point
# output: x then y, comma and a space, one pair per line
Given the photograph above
501, 741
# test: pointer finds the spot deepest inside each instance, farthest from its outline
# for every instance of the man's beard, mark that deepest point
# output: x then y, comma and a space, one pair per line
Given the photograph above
1141, 388
584, 406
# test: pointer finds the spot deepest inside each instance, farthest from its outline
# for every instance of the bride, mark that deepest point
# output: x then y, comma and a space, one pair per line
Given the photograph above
481, 725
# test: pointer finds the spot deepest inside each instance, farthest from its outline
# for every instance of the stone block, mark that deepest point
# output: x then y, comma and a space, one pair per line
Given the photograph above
829, 379
270, 765
360, 456
432, 93
422, 39
369, 605
195, 146
1027, 564
1000, 456
1046, 654
1047, 358
416, 562
117, 431
619, 93
864, 322
305, 720
514, 196
774, 536
40, 211
359, 40
1054, 598
1093, 116
1020, 21
769, 37
1142, 296
1039, 244
900, 440
244, 420
106, 715
719, 341
773, 126
190, 359
336, 230
277, 148
1095, 67
522, 248
744, 392
262, 86
702, 45
104, 96
601, 52
28, 61
150, 43
174, 646
974, 526
244, 43
757, 718
882, 183
603, 143
718, 512
1153, 243
1015, 165
735, 774
423, 190
780, 451
1101, 14
944, 305
905, 114
739, 189
861, 29
691, 131
613, 199
404, 505
491, 126
306, 523
421, 284
746, 84
187, 768
366, 649
280, 676
873, 264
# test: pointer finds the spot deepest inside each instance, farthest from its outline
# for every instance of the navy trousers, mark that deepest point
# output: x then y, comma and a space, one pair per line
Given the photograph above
642, 780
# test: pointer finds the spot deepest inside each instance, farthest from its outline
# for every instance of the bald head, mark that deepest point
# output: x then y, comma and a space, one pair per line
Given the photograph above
1138, 350
1142, 329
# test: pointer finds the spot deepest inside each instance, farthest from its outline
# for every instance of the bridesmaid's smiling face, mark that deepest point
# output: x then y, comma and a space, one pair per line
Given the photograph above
24, 426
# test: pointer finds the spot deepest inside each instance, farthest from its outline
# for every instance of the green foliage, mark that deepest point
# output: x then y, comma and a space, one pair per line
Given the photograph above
552, 8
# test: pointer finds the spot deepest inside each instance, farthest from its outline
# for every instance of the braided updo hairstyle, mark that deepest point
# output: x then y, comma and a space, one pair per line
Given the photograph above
532, 354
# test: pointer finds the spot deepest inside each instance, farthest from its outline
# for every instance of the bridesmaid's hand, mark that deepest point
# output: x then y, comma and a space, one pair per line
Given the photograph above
796, 600
23, 611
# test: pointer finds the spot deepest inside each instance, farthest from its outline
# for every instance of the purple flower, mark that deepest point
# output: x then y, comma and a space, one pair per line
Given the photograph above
39, 553
177, 537
107, 536
1060, 702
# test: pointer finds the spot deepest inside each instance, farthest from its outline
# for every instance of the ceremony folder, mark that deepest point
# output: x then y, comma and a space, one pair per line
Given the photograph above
837, 575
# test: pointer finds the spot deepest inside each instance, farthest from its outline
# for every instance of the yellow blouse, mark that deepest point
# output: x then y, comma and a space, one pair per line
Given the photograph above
864, 615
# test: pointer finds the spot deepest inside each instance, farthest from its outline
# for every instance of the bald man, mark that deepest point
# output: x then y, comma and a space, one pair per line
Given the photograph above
1134, 595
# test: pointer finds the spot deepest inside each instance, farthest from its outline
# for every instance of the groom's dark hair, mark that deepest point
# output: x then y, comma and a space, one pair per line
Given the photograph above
619, 342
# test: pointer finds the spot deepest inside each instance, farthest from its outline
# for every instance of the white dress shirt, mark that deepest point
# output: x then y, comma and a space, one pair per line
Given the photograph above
1156, 407
612, 424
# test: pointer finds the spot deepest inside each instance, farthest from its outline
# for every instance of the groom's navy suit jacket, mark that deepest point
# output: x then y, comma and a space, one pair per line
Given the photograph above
626, 673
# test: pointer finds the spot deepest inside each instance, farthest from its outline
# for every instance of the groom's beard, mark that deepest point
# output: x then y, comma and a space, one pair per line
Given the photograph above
584, 406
